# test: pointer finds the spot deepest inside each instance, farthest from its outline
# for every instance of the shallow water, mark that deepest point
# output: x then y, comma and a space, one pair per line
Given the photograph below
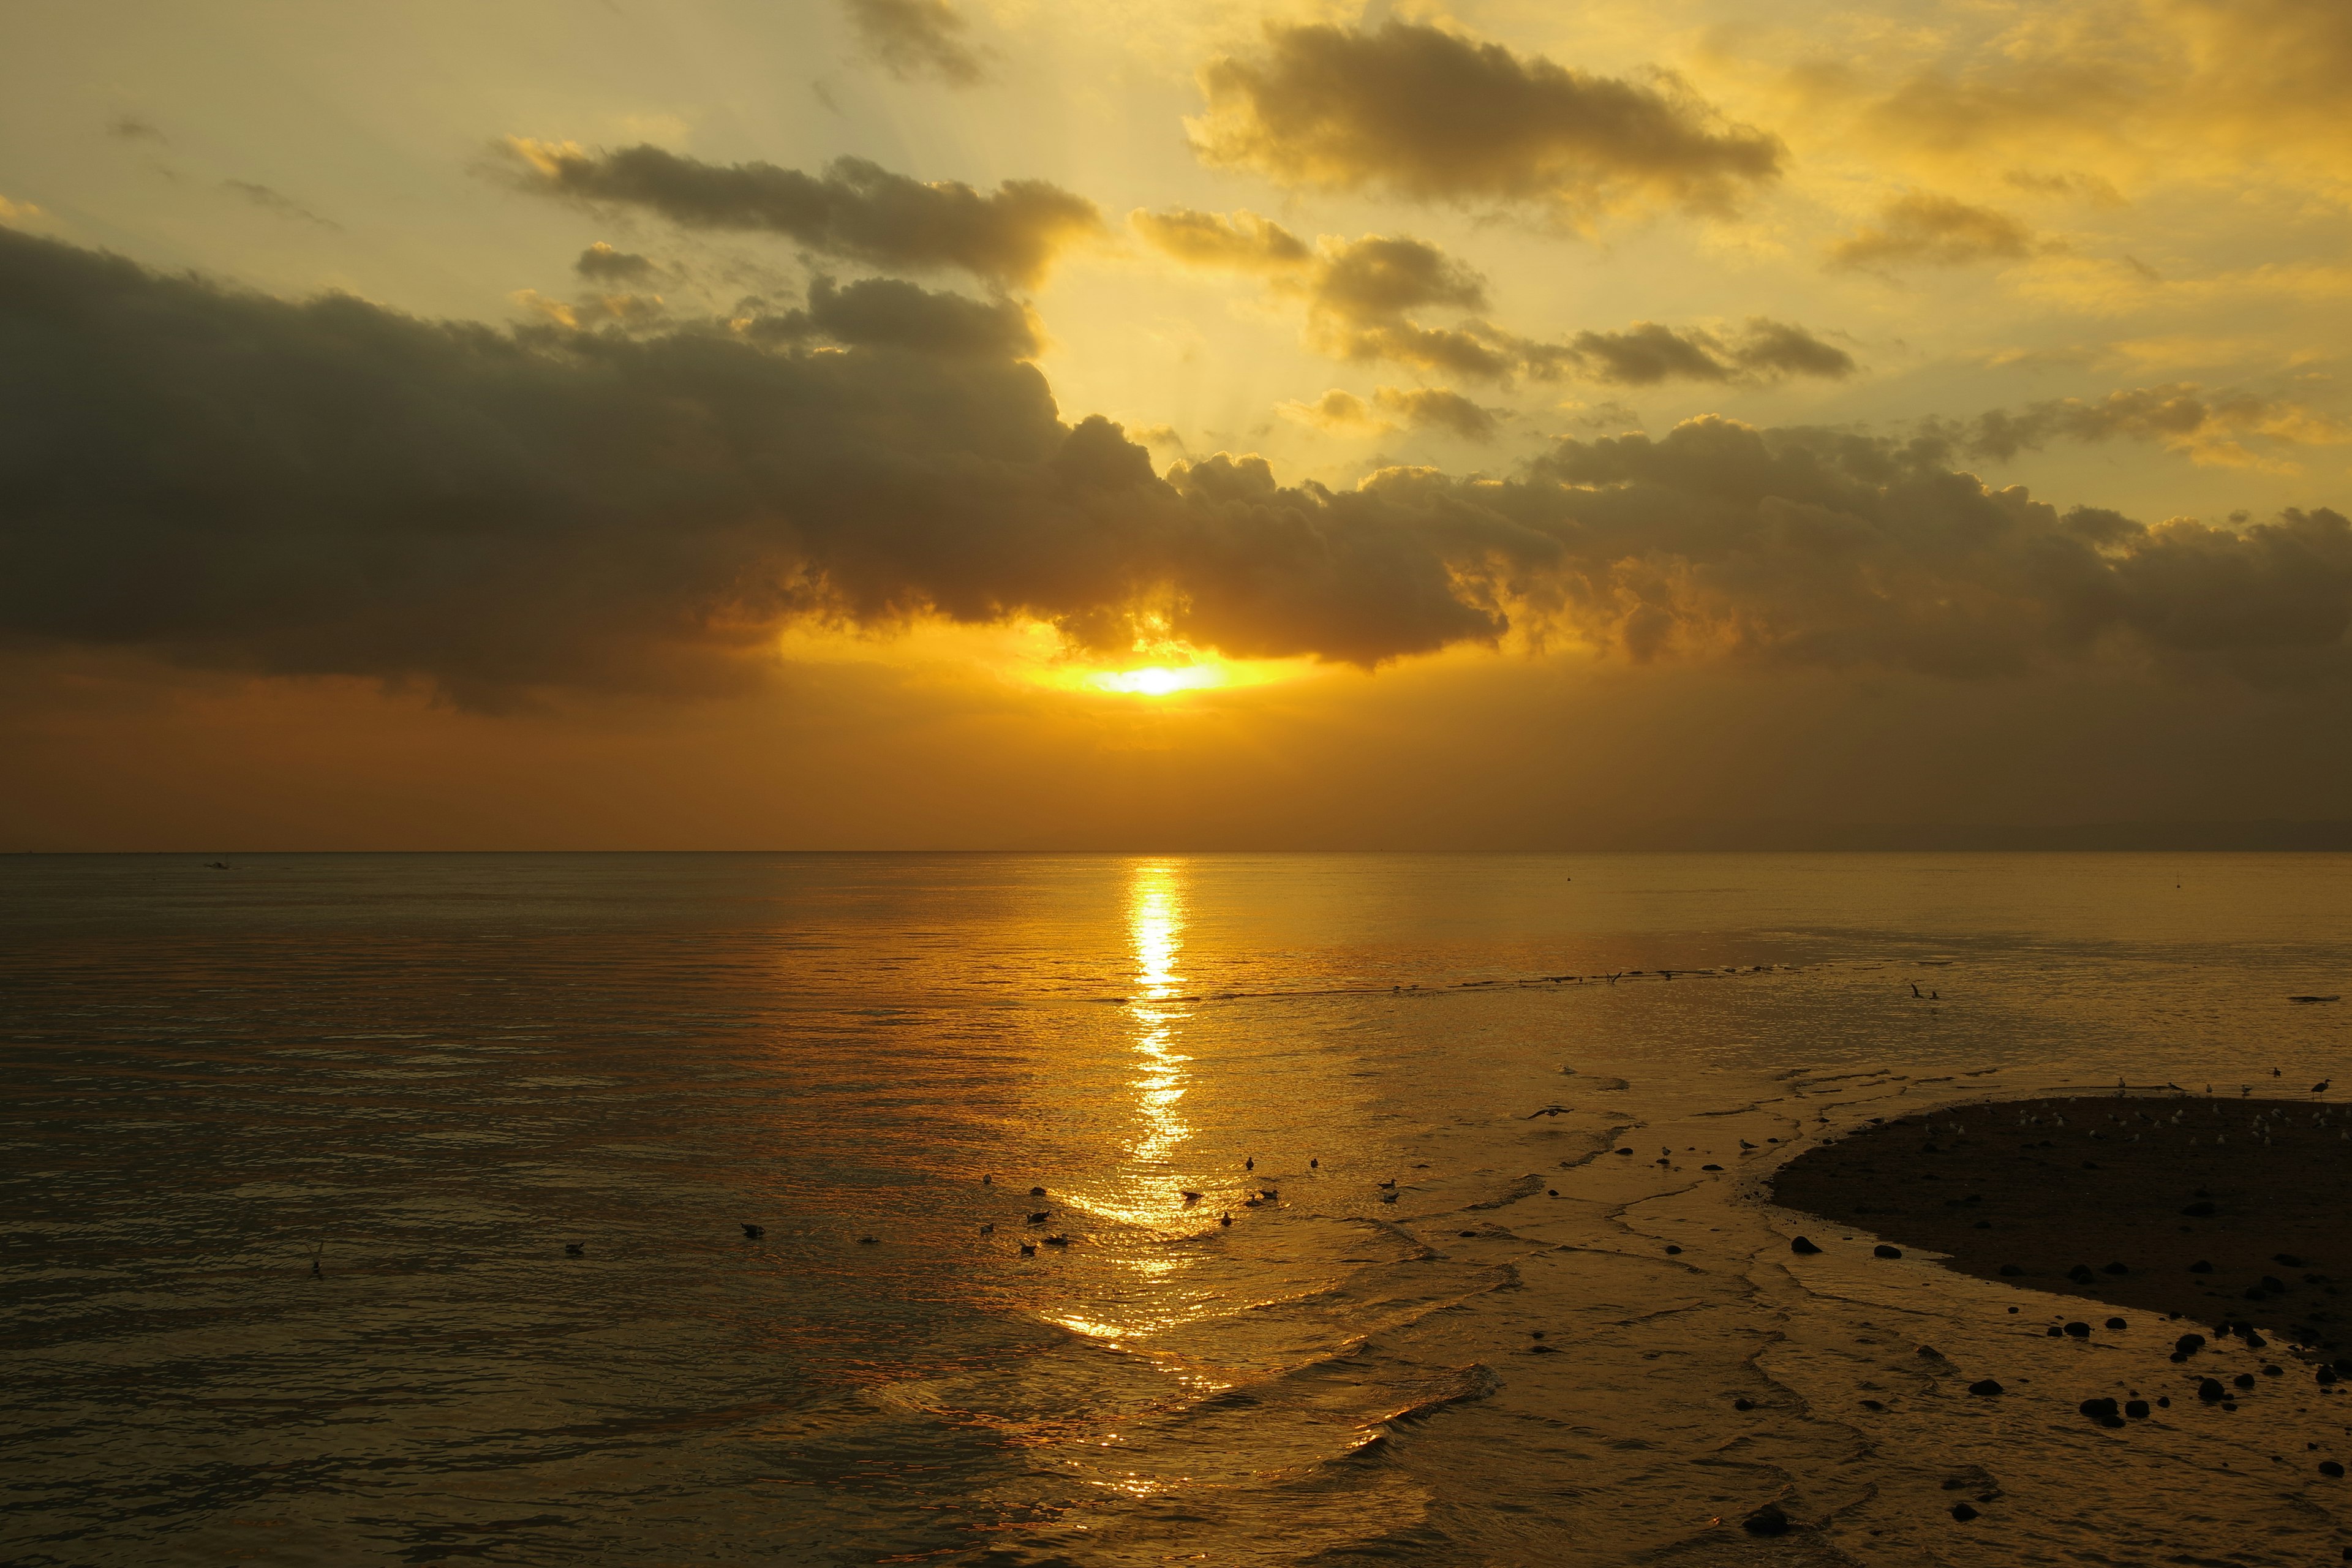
427, 1074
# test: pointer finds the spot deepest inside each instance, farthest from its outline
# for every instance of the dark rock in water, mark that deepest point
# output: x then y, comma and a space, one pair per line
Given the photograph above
1710, 1167
2274, 1370
575, 1248
2101, 1411
2201, 1266
869, 1241
1543, 1350
2286, 1260
2189, 1344
1767, 1520
1743, 1405
1872, 1404
2198, 1211
2331, 1470
2327, 1376
2115, 1268
2135, 1408
1882, 1251
2117, 1323
1672, 1251
2010, 1271
1985, 1386
2078, 1330
754, 1232
2080, 1274
1963, 1512
2209, 1391
1469, 1232
2244, 1380
1803, 1247
1036, 1192
2055, 1332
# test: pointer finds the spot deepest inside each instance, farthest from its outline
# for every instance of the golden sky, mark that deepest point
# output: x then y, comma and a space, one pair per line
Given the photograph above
1000, 422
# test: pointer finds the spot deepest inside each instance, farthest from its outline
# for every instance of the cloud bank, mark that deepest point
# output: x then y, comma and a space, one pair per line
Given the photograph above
329, 487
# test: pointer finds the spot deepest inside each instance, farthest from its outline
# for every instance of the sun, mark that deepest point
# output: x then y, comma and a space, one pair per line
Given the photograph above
1158, 680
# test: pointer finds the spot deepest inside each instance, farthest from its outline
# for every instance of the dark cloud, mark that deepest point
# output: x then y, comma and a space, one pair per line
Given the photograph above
1244, 242
130, 128
1421, 409
1921, 227
1425, 114
278, 203
331, 487
603, 264
857, 210
1648, 353
1359, 293
1435, 407
2210, 427
885, 312
917, 37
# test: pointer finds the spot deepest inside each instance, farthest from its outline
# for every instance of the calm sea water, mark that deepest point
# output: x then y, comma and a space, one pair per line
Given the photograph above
294, 1150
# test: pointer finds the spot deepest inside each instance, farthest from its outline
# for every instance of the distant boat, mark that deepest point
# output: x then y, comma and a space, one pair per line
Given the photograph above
2314, 999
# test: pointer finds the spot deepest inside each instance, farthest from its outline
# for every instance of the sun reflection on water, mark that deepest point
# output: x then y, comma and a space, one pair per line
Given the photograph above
1156, 928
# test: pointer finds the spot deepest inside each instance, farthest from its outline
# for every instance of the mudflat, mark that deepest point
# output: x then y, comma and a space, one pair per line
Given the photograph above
2223, 1210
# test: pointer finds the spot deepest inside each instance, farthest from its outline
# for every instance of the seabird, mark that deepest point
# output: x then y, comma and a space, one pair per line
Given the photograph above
1315, 1164
1036, 1192
1224, 1219
1057, 1241
1191, 1197
868, 1241
574, 1248
2321, 1086
988, 1180
754, 1232
1268, 1194
1249, 1163
1027, 1250
1041, 1216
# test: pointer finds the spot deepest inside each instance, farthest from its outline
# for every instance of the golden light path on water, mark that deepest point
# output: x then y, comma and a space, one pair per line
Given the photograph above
1145, 1192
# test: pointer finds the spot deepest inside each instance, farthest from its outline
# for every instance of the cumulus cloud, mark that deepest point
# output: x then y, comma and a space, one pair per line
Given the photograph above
1242, 242
1360, 295
855, 210
1922, 227
603, 264
1393, 407
917, 37
2208, 427
1425, 114
1648, 353
886, 312
329, 487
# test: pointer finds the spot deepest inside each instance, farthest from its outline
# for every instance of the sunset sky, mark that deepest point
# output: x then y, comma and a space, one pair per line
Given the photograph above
1098, 425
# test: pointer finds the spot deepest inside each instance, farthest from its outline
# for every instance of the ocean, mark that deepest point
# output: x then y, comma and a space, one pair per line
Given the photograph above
296, 1149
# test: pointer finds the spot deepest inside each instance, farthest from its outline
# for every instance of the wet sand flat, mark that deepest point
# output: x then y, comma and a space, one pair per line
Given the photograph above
2217, 1209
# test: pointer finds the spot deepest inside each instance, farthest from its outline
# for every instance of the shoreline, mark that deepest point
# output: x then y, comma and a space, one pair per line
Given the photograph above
2222, 1212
